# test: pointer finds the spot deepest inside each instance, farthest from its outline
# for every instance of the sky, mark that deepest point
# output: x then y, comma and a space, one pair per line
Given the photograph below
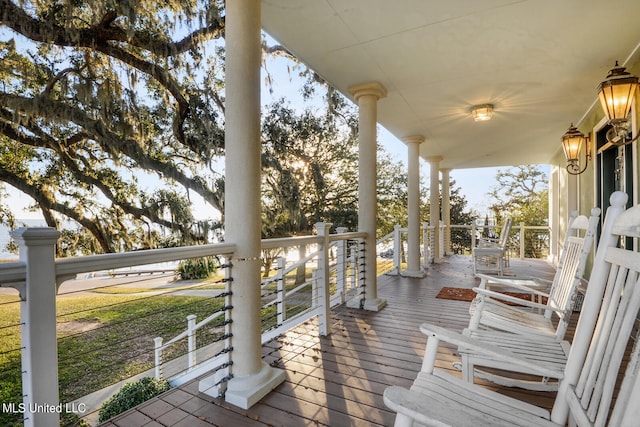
474, 184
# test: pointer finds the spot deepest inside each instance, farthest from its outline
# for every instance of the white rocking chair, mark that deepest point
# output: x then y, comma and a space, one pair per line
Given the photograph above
491, 256
531, 317
589, 377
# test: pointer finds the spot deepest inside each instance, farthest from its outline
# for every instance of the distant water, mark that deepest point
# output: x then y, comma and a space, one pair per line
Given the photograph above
5, 238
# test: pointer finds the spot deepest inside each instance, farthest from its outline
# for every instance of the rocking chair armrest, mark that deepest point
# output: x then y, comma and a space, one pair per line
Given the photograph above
487, 350
528, 286
494, 250
542, 283
411, 405
407, 403
414, 405
531, 286
503, 297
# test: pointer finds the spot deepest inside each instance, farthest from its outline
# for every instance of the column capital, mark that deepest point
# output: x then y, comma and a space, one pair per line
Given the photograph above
370, 89
36, 236
418, 139
445, 170
434, 159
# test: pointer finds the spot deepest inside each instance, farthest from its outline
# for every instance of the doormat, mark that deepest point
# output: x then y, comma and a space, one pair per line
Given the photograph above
466, 294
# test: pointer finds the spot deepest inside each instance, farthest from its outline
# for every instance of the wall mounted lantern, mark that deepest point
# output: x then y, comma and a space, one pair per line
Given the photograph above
482, 113
616, 94
573, 142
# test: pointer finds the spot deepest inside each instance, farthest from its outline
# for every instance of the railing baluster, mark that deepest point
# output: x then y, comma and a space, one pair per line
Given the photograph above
341, 265
353, 264
191, 339
157, 350
281, 291
522, 238
397, 250
324, 304
425, 245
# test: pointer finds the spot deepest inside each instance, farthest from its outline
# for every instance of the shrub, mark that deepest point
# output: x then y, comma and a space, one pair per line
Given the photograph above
197, 268
130, 395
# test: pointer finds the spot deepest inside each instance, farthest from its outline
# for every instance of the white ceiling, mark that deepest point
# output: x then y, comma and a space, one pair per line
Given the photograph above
538, 61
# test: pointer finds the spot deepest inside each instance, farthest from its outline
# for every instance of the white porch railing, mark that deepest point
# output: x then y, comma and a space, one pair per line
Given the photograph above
332, 274
524, 242
289, 299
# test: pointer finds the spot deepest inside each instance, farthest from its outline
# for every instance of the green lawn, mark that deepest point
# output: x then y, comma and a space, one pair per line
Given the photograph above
101, 339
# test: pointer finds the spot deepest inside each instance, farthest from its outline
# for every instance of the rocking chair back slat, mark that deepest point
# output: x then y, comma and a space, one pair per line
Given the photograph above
573, 261
560, 296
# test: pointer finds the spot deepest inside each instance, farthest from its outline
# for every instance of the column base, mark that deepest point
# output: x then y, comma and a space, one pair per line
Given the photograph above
244, 392
370, 304
418, 274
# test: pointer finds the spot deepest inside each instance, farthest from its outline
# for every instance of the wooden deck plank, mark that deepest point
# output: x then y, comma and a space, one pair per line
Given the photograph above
339, 380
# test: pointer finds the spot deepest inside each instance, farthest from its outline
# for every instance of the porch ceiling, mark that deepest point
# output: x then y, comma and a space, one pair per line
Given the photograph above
538, 61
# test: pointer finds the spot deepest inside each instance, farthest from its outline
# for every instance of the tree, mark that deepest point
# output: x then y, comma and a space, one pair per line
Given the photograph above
392, 180
309, 169
459, 216
518, 193
308, 163
458, 206
99, 98
522, 192
94, 93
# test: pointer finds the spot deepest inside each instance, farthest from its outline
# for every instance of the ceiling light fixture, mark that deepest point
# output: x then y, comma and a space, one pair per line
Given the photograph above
482, 113
616, 94
572, 143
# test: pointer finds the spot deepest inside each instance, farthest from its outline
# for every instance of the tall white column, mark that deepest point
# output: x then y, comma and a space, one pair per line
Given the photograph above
413, 206
367, 96
434, 202
446, 210
38, 325
252, 379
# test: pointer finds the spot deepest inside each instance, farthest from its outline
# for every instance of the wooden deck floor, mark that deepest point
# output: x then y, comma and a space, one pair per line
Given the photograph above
339, 380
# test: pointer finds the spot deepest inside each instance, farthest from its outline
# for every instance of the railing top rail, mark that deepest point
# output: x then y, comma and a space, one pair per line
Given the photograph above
289, 241
85, 264
347, 236
12, 272
386, 237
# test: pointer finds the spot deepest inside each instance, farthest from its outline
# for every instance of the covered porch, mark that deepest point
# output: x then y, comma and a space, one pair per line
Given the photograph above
334, 373
338, 379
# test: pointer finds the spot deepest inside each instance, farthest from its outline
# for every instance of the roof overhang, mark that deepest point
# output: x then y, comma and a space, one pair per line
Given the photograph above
538, 62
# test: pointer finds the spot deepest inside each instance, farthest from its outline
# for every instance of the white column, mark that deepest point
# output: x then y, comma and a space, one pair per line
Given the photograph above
367, 96
434, 202
252, 379
446, 210
413, 207
38, 320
